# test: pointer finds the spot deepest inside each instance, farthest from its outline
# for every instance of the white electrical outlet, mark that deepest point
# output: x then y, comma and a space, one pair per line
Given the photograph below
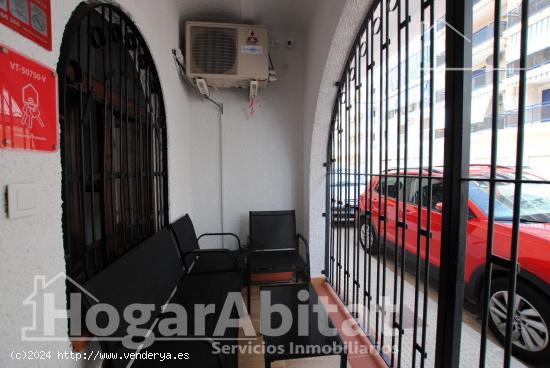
22, 200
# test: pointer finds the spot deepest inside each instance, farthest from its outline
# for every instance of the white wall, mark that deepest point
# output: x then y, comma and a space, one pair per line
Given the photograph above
263, 161
262, 155
329, 38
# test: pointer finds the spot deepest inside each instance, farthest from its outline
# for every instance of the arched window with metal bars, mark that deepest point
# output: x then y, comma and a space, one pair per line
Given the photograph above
113, 139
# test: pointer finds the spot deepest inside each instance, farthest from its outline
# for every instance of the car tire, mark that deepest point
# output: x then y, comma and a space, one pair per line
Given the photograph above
531, 329
370, 245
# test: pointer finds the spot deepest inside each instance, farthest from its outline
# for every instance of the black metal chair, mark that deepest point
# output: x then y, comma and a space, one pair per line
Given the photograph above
274, 245
199, 260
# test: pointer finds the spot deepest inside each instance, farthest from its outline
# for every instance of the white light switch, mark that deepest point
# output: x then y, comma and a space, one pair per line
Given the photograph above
21, 200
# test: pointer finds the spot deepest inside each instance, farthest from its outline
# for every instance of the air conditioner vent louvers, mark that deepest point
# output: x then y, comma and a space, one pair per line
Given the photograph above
214, 50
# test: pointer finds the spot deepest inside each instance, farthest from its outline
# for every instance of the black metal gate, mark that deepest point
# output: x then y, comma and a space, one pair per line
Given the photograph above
398, 181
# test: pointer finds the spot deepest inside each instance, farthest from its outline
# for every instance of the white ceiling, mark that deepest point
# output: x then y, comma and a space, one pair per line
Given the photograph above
276, 14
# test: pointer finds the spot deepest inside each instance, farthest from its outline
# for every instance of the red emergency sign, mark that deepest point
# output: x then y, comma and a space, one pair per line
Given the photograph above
31, 18
28, 103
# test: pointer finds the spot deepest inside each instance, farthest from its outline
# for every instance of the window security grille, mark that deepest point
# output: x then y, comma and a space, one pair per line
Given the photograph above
113, 139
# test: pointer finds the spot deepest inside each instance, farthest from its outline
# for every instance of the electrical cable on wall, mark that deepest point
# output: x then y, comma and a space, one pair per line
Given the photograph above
251, 107
252, 98
221, 179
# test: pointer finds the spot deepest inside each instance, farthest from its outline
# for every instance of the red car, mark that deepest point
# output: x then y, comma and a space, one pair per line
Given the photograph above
531, 331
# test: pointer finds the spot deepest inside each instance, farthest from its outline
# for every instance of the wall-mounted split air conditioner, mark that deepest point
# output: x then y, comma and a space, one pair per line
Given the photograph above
227, 55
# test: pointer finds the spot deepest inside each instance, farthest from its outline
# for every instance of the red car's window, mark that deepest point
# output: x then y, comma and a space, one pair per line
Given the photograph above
394, 187
437, 192
535, 201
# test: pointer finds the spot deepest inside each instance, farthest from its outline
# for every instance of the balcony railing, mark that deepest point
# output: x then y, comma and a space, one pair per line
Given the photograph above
485, 34
535, 60
535, 6
482, 80
533, 114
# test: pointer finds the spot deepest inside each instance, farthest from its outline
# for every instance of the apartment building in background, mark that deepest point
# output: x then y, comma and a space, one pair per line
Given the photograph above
537, 114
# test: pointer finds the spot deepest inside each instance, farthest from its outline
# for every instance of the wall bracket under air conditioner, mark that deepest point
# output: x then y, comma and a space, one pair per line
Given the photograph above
181, 69
202, 87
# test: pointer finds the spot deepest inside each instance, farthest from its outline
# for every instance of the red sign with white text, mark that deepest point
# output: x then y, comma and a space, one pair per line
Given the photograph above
28, 103
31, 18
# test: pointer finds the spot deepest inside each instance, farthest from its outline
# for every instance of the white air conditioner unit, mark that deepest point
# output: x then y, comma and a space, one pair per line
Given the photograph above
226, 55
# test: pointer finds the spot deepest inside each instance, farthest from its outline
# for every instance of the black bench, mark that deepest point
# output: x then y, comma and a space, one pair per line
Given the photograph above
153, 274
